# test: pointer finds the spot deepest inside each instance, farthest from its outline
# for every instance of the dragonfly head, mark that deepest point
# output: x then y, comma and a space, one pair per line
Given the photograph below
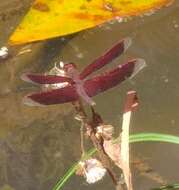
69, 66
70, 69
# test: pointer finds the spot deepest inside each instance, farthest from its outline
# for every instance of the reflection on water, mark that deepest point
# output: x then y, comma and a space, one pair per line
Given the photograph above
39, 144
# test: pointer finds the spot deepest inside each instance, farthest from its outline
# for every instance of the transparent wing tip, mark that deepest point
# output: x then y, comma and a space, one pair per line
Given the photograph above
139, 65
29, 102
25, 78
127, 43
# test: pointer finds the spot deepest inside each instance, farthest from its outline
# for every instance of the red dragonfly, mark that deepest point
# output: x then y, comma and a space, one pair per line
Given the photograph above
78, 84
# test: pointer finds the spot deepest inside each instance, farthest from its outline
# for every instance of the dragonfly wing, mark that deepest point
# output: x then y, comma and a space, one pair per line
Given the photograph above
110, 79
111, 54
57, 96
92, 87
45, 79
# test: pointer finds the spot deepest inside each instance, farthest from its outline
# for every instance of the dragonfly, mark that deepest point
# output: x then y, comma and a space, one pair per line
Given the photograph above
82, 84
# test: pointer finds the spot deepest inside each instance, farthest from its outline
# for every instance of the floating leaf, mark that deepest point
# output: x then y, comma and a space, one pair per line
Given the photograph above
52, 18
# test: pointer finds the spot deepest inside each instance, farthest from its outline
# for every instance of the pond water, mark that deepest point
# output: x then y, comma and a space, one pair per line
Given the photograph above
38, 144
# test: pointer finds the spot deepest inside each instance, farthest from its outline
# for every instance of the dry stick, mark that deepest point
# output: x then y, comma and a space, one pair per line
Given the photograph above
82, 139
96, 142
103, 157
130, 105
80, 118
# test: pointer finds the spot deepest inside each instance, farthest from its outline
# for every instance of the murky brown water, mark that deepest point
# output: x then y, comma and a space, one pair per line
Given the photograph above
39, 144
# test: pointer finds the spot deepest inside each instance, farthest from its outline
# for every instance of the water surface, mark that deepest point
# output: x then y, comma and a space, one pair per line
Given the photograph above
39, 144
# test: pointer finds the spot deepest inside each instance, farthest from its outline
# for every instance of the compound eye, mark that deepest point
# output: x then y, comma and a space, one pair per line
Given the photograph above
68, 66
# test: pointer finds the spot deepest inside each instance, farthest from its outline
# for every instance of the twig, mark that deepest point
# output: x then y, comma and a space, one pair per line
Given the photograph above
80, 117
130, 105
82, 139
98, 143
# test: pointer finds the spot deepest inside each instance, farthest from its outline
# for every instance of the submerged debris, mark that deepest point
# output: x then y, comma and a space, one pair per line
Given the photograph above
57, 70
146, 170
4, 52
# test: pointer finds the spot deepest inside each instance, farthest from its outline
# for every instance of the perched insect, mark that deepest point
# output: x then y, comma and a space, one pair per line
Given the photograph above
78, 84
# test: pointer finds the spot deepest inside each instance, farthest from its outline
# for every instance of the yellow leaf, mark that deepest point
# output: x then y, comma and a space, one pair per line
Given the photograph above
52, 18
